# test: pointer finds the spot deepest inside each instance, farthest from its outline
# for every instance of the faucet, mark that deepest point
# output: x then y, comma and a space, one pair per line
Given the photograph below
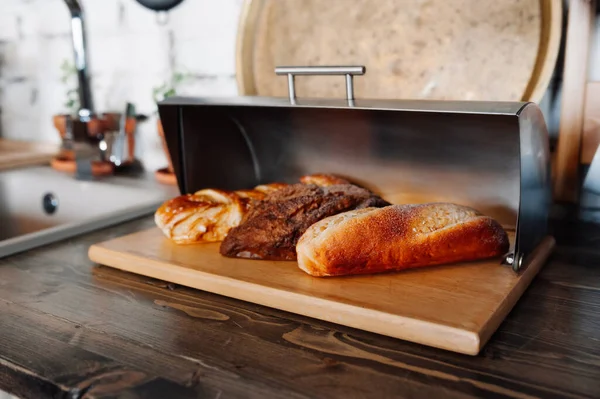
80, 142
85, 134
79, 41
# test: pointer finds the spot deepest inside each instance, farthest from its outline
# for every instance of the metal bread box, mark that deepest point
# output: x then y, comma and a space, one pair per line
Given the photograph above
493, 156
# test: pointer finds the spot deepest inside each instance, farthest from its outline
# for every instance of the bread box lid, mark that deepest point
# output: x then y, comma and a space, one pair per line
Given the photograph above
493, 156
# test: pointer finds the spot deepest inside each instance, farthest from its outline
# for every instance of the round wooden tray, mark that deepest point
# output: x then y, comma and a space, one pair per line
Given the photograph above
447, 50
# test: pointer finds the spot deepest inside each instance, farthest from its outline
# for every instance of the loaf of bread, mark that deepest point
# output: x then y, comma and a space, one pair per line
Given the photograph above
205, 216
272, 227
208, 215
396, 237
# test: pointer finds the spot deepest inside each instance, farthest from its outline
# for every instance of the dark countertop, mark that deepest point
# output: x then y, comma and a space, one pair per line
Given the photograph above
73, 329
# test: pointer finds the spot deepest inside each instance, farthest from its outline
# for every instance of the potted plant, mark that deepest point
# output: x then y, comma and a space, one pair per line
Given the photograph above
65, 160
71, 102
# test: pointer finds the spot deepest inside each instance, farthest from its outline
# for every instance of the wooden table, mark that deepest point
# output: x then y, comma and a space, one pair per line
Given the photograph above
72, 329
14, 153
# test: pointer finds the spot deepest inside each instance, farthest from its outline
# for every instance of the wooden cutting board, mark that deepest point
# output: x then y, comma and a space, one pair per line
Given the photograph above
433, 49
15, 153
454, 307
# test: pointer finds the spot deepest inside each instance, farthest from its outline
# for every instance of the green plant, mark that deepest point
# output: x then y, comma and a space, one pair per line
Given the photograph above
169, 89
69, 79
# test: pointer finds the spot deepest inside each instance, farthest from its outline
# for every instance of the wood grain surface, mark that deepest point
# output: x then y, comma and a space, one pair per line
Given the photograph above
72, 329
21, 153
455, 307
549, 46
591, 123
581, 21
437, 49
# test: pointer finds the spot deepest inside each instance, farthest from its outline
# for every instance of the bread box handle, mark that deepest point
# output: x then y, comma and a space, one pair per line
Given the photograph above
347, 71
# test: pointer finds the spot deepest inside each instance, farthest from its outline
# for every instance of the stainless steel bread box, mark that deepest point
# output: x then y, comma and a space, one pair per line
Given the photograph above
493, 156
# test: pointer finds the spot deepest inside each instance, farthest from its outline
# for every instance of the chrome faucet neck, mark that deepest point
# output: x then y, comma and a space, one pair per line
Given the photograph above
79, 41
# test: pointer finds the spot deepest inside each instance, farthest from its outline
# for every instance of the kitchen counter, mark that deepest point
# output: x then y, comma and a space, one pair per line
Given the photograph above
73, 329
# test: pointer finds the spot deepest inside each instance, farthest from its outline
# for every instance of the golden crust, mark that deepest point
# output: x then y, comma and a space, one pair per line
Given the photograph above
205, 216
323, 180
251, 194
271, 187
397, 237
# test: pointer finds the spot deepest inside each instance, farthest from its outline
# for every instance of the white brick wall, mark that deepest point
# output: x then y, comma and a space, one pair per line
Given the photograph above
130, 53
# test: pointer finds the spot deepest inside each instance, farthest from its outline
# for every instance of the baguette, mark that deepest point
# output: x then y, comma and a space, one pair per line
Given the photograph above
396, 237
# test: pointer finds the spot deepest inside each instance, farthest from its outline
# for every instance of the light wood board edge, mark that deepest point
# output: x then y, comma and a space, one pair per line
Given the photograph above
551, 11
26, 153
245, 46
34, 159
409, 329
591, 123
537, 259
579, 33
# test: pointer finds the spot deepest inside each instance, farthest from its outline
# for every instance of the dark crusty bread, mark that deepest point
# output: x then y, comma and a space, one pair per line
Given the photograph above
273, 226
395, 237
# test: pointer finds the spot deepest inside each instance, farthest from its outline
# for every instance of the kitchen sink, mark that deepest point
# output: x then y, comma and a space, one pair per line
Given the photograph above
39, 205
